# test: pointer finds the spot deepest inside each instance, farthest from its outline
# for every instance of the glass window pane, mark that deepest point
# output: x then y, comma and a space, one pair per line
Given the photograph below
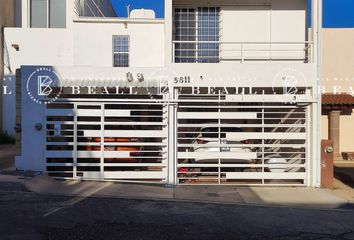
208, 22
38, 13
121, 51
57, 10
186, 23
185, 30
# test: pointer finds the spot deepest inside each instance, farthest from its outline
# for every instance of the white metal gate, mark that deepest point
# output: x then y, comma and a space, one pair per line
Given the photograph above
222, 139
113, 139
203, 138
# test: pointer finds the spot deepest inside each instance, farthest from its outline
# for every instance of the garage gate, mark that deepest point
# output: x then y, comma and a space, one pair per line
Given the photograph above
198, 139
109, 140
224, 139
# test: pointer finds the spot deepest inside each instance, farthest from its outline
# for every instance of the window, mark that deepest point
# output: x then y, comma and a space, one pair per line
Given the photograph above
48, 13
121, 51
197, 34
39, 12
185, 31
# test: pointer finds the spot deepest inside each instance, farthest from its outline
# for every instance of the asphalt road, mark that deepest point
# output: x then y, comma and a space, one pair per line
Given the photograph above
28, 216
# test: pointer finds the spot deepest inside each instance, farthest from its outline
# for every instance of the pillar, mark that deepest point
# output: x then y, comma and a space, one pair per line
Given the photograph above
333, 134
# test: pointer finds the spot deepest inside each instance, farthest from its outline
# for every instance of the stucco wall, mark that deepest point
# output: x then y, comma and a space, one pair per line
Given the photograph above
93, 43
338, 58
81, 44
338, 72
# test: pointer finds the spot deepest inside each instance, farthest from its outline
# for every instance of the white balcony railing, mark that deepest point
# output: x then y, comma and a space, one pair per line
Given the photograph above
218, 51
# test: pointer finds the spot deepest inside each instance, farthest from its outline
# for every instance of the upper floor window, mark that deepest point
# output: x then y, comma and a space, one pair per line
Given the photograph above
197, 34
121, 51
48, 13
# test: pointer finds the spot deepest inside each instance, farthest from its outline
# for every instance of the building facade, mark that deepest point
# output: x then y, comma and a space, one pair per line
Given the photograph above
338, 79
220, 92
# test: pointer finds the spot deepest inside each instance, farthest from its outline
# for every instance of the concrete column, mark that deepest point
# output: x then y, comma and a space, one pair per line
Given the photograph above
333, 120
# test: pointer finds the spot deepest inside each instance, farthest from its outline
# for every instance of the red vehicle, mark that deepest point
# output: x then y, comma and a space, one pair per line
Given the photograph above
134, 150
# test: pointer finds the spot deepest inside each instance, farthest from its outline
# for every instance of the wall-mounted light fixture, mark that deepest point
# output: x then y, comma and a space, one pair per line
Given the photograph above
16, 47
130, 77
140, 77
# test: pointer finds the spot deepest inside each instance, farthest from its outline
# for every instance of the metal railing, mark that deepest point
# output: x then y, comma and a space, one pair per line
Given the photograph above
218, 51
94, 8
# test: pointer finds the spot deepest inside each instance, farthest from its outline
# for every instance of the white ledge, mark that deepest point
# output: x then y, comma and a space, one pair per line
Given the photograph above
117, 20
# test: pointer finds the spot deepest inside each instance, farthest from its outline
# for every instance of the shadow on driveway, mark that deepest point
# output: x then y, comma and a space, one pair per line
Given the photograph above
7, 156
345, 173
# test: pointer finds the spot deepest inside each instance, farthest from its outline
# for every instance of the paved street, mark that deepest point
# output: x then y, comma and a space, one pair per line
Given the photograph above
31, 216
26, 215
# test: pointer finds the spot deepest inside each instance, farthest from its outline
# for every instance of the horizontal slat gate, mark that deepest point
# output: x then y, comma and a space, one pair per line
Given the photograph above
214, 139
220, 141
118, 140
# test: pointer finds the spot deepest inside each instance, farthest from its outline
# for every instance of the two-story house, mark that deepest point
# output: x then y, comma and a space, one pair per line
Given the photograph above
217, 92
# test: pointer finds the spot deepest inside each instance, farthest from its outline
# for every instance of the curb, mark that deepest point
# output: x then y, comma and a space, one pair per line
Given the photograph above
343, 206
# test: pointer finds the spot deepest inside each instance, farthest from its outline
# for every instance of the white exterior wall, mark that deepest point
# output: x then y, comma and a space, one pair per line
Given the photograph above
288, 20
85, 44
146, 43
85, 47
36, 47
277, 21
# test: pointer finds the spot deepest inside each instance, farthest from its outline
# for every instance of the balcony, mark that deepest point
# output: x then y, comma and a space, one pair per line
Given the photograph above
275, 31
241, 52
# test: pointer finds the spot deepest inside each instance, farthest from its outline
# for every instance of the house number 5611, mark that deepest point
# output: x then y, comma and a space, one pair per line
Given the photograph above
182, 80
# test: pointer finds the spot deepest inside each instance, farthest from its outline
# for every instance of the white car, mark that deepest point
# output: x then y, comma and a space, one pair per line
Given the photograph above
211, 140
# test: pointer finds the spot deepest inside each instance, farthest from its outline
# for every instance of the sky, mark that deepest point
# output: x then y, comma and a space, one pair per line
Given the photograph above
157, 5
336, 13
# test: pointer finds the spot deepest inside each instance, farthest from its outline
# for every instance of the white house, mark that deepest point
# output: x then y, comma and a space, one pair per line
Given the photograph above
217, 92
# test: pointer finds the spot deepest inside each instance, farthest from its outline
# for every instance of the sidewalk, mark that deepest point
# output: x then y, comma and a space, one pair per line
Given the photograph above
265, 196
340, 197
